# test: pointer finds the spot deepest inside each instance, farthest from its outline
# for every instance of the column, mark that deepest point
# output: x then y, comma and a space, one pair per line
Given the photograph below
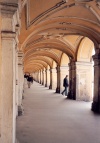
96, 98
20, 83
72, 81
36, 76
58, 79
8, 42
54, 78
39, 77
16, 76
42, 77
50, 87
64, 70
46, 78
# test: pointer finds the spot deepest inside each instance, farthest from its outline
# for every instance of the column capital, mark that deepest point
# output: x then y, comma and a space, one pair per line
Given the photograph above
83, 63
64, 67
20, 58
20, 54
97, 54
50, 69
8, 35
8, 8
96, 57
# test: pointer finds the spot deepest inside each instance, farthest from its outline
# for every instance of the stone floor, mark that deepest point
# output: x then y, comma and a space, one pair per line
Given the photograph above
51, 118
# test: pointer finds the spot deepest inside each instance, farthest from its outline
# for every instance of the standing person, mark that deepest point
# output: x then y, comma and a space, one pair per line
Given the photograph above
29, 80
25, 75
25, 79
65, 84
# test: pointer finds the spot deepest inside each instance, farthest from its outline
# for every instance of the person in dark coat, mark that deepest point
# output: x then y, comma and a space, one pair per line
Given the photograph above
25, 76
65, 84
29, 80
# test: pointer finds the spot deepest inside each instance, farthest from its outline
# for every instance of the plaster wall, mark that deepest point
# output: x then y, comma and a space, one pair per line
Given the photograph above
54, 78
48, 78
84, 81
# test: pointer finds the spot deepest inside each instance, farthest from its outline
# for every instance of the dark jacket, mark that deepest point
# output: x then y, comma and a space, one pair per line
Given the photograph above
25, 76
65, 82
29, 78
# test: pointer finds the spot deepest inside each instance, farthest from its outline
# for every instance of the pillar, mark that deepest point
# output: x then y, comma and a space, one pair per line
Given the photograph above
42, 77
8, 80
58, 79
46, 78
96, 98
16, 77
39, 76
72, 81
50, 87
20, 83
54, 78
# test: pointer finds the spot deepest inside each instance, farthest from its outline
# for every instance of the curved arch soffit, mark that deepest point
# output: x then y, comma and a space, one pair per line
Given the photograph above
54, 64
64, 60
53, 43
32, 66
37, 61
85, 49
46, 54
41, 58
78, 26
30, 70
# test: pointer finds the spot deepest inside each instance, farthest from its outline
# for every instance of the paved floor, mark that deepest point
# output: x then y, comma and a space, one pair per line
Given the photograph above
51, 118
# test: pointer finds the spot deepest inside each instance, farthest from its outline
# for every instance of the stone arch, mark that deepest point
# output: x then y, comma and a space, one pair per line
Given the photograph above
84, 74
46, 54
64, 60
54, 64
54, 75
85, 50
41, 58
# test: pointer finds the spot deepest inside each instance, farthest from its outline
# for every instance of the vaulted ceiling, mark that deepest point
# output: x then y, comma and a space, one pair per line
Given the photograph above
50, 28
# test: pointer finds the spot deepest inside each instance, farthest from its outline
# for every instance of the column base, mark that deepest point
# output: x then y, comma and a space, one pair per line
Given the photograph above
20, 110
57, 90
50, 87
22, 96
95, 107
71, 95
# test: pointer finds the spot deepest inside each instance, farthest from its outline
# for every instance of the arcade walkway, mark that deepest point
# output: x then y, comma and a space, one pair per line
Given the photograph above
51, 118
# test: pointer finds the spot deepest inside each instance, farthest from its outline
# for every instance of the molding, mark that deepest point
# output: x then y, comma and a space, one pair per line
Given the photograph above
93, 11
35, 41
8, 7
8, 35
